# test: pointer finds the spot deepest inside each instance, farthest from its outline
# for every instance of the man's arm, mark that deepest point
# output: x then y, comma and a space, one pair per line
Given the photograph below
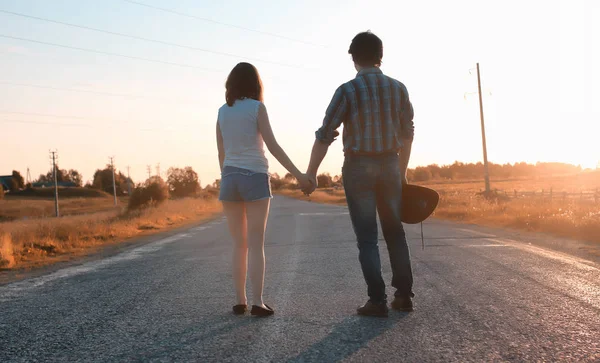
408, 131
334, 117
405, 158
319, 151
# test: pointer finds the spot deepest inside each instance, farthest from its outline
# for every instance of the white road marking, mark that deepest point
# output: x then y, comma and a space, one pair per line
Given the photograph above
14, 289
558, 256
475, 232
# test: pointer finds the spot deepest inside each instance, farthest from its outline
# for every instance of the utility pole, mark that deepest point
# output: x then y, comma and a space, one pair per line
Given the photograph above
54, 157
29, 181
128, 182
158, 170
149, 170
112, 167
485, 160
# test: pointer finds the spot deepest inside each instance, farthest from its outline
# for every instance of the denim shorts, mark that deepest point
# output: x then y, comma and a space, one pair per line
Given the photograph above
242, 185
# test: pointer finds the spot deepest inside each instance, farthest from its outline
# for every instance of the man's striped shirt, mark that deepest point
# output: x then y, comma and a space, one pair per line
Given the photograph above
375, 110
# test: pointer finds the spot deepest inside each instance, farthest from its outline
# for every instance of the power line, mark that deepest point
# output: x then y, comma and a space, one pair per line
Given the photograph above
116, 121
43, 123
151, 40
112, 54
126, 95
224, 24
29, 122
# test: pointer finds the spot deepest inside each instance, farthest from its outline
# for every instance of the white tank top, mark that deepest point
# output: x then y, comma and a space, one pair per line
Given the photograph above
243, 143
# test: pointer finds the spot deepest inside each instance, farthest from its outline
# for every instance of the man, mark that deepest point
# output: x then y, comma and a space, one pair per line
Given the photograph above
378, 132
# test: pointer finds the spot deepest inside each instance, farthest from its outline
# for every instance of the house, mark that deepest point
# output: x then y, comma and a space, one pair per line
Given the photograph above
5, 182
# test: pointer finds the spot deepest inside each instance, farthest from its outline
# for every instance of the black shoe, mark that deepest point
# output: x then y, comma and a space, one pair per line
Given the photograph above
402, 304
373, 309
260, 311
240, 309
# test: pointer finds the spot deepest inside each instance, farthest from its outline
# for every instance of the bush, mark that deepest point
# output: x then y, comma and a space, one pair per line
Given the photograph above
276, 183
183, 182
155, 191
324, 180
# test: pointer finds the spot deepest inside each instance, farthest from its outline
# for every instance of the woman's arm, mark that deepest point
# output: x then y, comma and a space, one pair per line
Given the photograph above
264, 126
220, 146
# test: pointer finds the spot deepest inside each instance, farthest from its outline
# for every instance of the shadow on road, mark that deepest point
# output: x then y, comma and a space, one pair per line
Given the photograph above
347, 338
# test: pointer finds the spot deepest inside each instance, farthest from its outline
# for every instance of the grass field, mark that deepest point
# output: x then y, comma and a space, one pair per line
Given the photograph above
94, 222
39, 203
462, 201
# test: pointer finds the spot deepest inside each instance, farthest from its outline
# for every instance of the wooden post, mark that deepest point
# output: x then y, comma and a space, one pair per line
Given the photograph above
485, 159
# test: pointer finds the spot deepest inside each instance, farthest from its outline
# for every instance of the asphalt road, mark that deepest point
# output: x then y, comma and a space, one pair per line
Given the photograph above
480, 296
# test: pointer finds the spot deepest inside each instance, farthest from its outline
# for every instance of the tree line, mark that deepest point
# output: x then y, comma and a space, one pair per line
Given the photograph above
455, 171
180, 182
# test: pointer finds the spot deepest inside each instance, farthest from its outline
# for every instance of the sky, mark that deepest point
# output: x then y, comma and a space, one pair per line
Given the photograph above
539, 62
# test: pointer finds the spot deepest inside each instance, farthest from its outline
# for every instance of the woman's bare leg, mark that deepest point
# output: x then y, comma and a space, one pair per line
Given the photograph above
236, 219
257, 213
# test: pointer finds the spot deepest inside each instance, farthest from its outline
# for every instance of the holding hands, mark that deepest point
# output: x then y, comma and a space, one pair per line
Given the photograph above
307, 183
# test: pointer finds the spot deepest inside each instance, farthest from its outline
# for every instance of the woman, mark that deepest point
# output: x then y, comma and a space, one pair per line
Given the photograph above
242, 129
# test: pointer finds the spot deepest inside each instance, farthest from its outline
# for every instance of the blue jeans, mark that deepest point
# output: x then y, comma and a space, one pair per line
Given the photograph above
373, 185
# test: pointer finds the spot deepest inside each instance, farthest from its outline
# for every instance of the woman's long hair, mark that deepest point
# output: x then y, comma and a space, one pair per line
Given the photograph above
243, 82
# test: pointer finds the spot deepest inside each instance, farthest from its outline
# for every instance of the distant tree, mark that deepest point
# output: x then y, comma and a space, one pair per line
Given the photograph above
103, 180
324, 180
75, 177
61, 175
217, 184
276, 182
18, 178
422, 174
289, 178
153, 192
183, 182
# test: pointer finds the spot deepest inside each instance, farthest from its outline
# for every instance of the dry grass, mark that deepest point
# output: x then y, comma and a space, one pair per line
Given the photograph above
462, 202
13, 208
327, 196
36, 242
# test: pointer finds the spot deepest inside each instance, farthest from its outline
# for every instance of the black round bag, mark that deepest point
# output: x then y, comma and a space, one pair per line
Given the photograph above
418, 203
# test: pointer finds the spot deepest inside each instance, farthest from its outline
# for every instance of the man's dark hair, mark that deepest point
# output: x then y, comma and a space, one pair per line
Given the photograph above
243, 82
366, 49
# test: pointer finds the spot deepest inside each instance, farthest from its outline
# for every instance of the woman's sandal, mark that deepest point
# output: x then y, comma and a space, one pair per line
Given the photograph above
260, 311
240, 309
